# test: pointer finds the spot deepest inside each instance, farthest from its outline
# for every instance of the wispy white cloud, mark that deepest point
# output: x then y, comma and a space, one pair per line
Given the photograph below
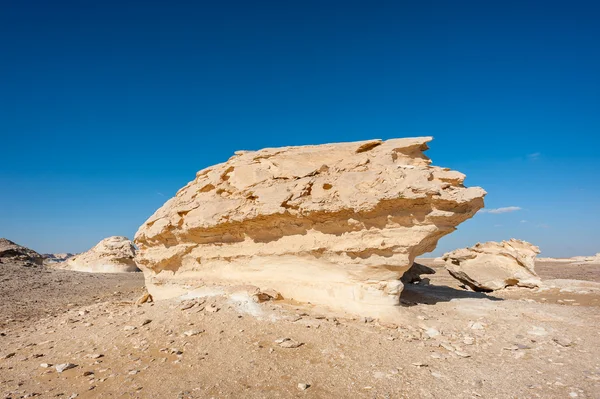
535, 156
543, 226
159, 193
498, 225
506, 209
524, 221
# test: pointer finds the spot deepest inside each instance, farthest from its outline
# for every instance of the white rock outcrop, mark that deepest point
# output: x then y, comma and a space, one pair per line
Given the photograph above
495, 265
334, 224
111, 255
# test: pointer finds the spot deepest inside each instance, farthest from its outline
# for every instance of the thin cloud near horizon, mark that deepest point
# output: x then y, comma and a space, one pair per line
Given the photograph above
506, 209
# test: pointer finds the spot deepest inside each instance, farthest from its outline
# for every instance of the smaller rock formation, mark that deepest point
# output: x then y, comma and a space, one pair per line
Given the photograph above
493, 266
583, 260
111, 255
413, 274
18, 255
50, 259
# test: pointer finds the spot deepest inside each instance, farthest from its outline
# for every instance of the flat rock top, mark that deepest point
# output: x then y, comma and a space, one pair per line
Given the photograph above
310, 180
513, 246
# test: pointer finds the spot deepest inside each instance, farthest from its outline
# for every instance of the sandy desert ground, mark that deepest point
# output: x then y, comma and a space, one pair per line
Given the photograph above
448, 342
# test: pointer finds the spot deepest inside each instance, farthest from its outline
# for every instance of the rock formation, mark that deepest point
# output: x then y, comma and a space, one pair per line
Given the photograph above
493, 266
111, 255
50, 259
334, 224
582, 260
413, 274
18, 255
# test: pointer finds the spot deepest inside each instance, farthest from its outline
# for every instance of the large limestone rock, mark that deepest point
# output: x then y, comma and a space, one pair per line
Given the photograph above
18, 255
111, 255
334, 224
495, 265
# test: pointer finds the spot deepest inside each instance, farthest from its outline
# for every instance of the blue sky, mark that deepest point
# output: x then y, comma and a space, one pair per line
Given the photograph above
108, 108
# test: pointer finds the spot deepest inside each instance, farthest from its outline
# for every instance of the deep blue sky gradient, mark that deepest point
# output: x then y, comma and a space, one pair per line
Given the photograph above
108, 107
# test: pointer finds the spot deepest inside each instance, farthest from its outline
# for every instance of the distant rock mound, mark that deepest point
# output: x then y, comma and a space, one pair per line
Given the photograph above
586, 259
111, 255
18, 255
493, 266
334, 224
56, 258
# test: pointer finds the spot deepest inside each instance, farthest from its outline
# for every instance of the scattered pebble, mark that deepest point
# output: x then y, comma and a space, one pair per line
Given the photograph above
64, 366
212, 308
191, 333
303, 386
288, 343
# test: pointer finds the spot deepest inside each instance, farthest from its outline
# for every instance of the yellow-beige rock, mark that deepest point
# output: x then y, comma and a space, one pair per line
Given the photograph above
111, 255
495, 265
334, 224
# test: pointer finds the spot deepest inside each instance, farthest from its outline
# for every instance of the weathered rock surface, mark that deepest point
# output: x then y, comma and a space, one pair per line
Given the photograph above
493, 266
18, 255
334, 224
111, 255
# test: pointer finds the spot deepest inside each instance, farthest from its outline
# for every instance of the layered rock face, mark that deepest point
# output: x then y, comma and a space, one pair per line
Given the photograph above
111, 255
334, 224
495, 265
18, 255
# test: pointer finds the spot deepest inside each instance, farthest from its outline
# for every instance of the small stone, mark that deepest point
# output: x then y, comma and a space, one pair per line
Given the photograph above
419, 365
477, 326
95, 356
191, 333
64, 366
187, 305
144, 298
147, 321
288, 343
45, 365
446, 346
8, 355
212, 308
88, 373
303, 386
129, 328
133, 372
564, 342
468, 341
462, 354
432, 332
537, 331
368, 320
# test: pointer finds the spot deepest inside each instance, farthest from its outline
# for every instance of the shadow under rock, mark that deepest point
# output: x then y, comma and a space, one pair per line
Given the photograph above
414, 294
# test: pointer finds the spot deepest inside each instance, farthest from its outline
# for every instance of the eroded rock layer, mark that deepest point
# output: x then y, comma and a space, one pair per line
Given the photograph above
495, 265
111, 255
334, 224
